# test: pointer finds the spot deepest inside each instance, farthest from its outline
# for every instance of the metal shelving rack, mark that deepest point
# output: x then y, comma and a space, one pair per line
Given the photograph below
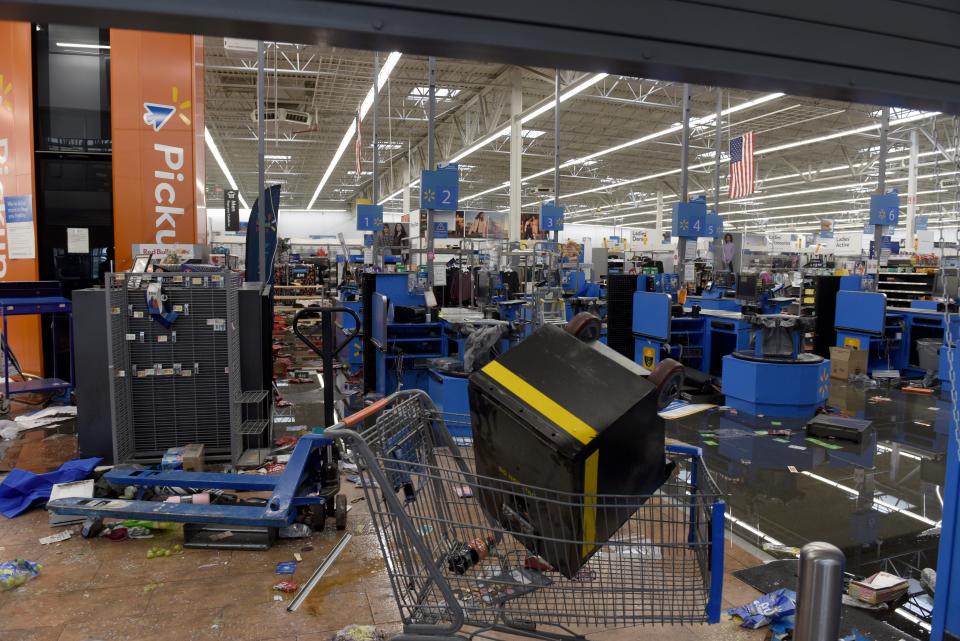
171, 386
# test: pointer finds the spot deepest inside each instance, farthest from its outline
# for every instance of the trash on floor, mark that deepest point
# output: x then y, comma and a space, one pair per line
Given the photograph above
56, 538
157, 552
863, 605
879, 588
779, 605
47, 416
15, 573
295, 531
286, 567
287, 586
360, 633
22, 489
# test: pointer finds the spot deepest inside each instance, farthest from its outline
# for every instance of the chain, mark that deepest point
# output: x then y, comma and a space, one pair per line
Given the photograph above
947, 336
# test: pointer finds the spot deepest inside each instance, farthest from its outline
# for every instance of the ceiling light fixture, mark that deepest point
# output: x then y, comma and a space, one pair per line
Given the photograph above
80, 45
212, 146
385, 72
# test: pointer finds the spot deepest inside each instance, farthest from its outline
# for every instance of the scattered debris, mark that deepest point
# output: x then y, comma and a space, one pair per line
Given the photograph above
360, 633
879, 588
15, 573
56, 538
287, 586
286, 567
777, 606
295, 531
863, 605
157, 552
781, 549
297, 557
219, 536
792, 469
277, 597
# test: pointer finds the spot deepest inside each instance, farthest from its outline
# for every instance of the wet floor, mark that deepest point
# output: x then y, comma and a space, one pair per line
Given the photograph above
872, 500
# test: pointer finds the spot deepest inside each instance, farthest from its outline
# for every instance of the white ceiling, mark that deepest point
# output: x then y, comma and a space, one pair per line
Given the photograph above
814, 157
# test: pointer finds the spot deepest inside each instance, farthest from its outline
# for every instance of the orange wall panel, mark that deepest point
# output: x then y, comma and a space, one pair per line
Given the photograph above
16, 175
156, 88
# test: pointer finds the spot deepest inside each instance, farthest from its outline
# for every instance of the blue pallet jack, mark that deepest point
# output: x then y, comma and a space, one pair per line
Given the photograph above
309, 486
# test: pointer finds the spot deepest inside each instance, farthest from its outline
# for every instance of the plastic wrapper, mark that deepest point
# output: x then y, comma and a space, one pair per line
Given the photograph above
775, 607
15, 573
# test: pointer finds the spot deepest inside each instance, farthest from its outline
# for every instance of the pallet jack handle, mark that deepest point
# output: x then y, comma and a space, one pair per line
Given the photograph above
327, 352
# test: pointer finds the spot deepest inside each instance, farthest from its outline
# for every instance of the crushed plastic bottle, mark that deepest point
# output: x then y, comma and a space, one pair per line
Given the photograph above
295, 531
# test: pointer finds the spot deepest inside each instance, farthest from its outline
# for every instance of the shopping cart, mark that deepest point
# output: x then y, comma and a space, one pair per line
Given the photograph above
457, 573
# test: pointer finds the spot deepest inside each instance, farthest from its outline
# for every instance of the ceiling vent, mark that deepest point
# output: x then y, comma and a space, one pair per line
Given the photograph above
284, 116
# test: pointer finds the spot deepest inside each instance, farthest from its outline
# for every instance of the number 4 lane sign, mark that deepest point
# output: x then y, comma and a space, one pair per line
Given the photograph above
440, 189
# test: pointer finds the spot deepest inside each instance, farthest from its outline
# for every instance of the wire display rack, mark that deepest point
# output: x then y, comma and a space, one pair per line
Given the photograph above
172, 386
456, 572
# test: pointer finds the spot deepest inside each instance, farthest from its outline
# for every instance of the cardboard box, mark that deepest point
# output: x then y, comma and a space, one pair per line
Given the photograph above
846, 361
188, 457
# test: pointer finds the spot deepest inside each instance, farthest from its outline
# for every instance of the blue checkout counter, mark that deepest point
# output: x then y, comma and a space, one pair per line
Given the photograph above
699, 342
890, 334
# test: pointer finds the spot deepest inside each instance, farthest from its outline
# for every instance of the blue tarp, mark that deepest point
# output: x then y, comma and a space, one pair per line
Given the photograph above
22, 489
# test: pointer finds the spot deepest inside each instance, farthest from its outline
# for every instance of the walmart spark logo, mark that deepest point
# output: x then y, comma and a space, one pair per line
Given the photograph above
5, 99
157, 115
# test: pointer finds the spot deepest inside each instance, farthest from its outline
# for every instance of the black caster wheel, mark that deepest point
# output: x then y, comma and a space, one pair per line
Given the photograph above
318, 518
584, 326
341, 511
668, 377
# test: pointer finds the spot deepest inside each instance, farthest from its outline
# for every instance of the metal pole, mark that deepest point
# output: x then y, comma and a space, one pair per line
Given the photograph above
685, 144
556, 145
716, 160
261, 152
881, 183
382, 248
431, 158
717, 242
684, 161
819, 593
376, 147
912, 187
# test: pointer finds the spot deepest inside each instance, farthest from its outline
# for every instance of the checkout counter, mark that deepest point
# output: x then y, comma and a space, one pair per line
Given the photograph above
897, 338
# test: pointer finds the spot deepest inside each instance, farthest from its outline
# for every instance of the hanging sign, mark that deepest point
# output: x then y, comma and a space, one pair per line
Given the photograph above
369, 217
440, 189
885, 209
551, 218
231, 209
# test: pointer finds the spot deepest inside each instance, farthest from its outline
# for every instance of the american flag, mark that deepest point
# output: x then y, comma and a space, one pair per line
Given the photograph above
741, 166
358, 148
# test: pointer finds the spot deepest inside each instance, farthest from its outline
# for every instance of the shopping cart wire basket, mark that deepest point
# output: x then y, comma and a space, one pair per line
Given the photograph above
456, 571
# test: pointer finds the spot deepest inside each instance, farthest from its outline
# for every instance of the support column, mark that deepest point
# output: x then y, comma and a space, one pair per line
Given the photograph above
912, 188
659, 220
261, 171
17, 179
881, 183
431, 157
516, 146
416, 242
684, 176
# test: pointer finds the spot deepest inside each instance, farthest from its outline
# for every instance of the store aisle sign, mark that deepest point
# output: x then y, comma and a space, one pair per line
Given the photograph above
369, 217
783, 243
885, 209
21, 239
847, 243
440, 189
551, 218
440, 230
231, 209
689, 219
713, 225
921, 223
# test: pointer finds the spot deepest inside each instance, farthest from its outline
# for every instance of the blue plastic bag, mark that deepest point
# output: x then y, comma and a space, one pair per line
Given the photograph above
15, 573
769, 608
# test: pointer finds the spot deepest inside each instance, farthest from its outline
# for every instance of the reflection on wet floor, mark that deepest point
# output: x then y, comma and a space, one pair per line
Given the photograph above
873, 499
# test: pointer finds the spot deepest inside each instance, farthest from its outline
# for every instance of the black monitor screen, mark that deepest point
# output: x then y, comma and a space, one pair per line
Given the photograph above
747, 287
